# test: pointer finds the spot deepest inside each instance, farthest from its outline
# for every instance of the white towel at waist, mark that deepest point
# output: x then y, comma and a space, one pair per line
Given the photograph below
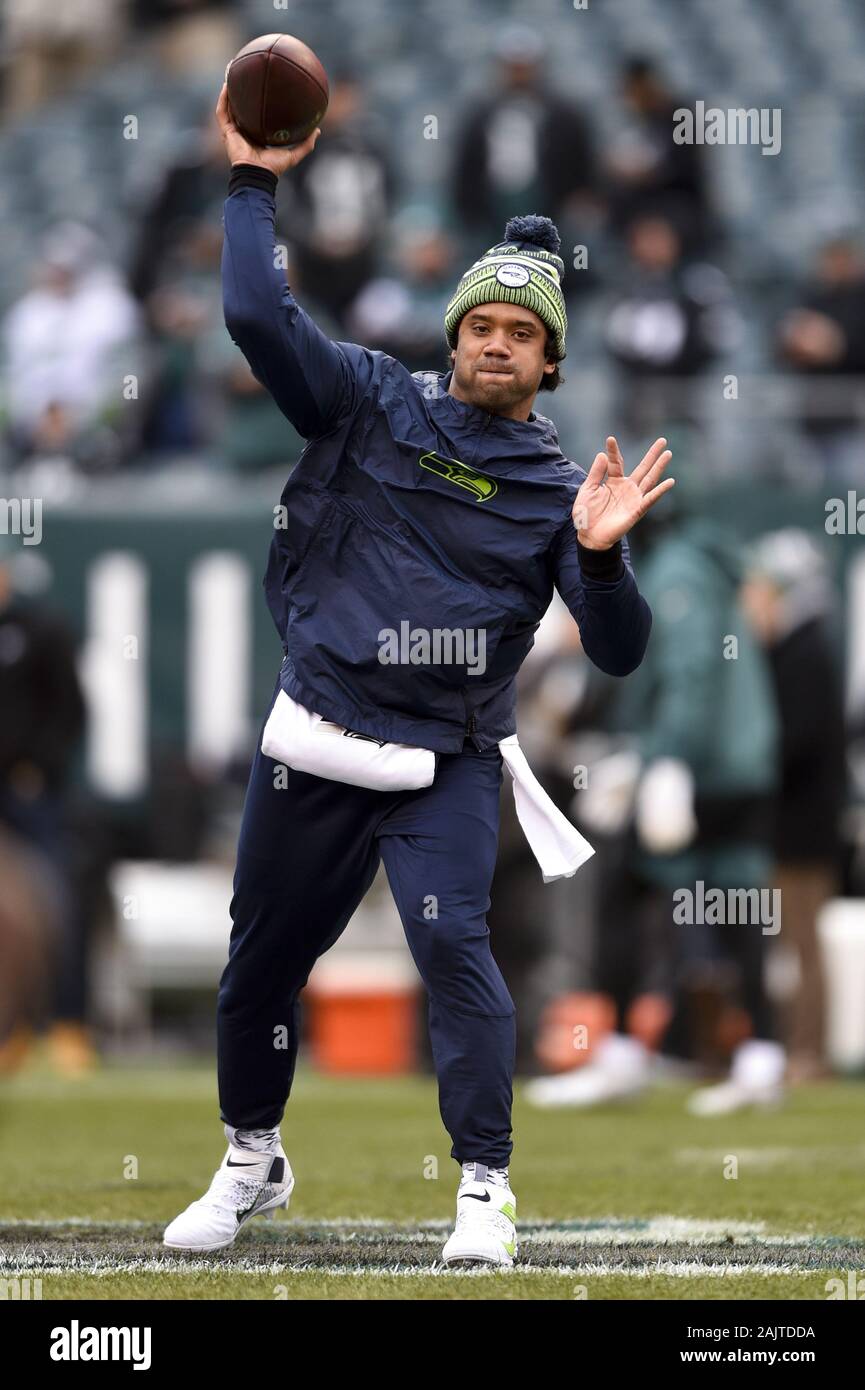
557, 845
303, 740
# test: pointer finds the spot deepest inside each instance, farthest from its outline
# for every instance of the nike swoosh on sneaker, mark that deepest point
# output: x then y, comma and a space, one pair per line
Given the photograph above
239, 1215
477, 1196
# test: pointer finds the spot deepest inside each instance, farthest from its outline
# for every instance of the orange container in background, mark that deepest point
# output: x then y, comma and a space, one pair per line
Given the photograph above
361, 1015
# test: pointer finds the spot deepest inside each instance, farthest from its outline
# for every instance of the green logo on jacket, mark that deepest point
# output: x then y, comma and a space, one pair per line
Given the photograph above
455, 472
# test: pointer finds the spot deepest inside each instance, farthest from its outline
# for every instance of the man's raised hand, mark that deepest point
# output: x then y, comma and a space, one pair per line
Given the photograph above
240, 151
608, 503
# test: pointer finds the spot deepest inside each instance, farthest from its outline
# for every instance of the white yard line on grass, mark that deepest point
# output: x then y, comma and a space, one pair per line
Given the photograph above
684, 1236
657, 1230
681, 1269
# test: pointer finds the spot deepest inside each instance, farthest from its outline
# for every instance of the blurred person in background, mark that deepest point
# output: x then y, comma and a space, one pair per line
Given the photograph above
606, 1019
190, 37
41, 729
337, 205
789, 601
401, 311
172, 271
605, 1023
592, 974
68, 345
525, 145
692, 800
668, 321
197, 395
177, 408
184, 202
647, 173
822, 340
49, 48
184, 396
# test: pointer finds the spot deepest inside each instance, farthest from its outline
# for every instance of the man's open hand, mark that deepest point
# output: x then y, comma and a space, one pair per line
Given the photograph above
240, 151
605, 509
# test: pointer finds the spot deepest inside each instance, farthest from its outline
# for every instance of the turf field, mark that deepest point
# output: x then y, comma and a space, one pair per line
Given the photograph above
618, 1203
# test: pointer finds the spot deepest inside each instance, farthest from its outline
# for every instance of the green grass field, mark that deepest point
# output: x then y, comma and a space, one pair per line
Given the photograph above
618, 1203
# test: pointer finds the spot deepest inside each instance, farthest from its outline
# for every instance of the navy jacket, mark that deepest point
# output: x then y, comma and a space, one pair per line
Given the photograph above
407, 510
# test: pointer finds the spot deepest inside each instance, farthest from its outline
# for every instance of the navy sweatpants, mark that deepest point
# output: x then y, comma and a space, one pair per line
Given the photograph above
308, 852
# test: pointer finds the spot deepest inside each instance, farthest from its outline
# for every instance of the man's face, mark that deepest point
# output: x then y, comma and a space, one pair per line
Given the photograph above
500, 359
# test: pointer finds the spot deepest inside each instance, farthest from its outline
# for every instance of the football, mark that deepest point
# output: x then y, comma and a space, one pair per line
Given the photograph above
277, 90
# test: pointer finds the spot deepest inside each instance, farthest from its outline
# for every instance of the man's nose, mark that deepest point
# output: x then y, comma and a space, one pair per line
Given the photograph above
497, 347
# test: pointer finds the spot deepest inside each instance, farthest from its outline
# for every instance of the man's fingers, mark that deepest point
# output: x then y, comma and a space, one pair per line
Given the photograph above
284, 160
648, 460
614, 453
650, 498
598, 470
300, 152
647, 482
223, 112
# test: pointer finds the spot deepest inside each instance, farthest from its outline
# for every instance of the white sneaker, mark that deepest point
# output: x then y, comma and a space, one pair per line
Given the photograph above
620, 1070
485, 1230
245, 1185
756, 1079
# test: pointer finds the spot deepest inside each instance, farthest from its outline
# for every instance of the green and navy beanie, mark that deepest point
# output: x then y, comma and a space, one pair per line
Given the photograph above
523, 269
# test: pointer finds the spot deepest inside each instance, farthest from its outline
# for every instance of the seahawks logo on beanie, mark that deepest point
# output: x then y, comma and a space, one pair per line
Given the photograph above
524, 269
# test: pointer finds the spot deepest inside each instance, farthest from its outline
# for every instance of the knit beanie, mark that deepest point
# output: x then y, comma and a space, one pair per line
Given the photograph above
524, 269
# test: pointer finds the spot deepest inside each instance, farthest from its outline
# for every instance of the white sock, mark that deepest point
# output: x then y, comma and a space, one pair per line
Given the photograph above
262, 1141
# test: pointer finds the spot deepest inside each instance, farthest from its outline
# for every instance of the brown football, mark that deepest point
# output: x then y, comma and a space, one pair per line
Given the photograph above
277, 90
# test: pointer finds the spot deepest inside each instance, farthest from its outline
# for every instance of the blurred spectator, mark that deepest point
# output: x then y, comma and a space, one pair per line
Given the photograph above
339, 202
68, 344
524, 148
670, 320
402, 312
48, 48
187, 203
823, 340
789, 601
192, 36
199, 393
696, 791
176, 414
707, 728
42, 725
183, 404
648, 174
